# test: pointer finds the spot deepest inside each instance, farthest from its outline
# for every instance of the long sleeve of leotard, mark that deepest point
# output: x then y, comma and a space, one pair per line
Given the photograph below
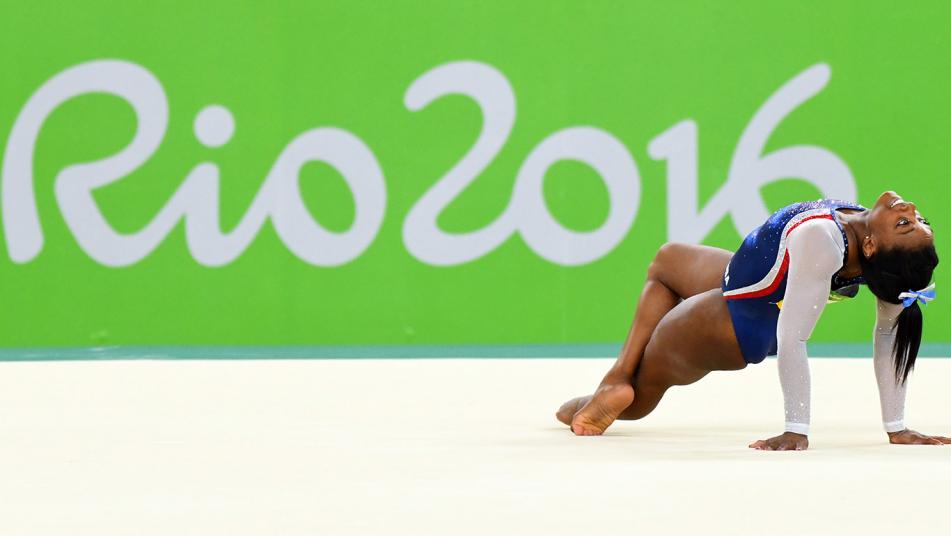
891, 392
815, 255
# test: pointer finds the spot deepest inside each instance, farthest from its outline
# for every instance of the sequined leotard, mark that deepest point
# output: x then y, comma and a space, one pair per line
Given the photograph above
778, 284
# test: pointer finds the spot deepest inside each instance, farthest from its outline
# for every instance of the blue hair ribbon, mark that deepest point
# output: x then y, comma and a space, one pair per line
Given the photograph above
924, 296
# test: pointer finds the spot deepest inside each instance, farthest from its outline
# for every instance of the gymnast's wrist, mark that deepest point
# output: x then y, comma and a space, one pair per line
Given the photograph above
894, 427
797, 428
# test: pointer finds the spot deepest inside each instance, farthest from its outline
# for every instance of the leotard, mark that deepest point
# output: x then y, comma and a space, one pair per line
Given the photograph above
776, 287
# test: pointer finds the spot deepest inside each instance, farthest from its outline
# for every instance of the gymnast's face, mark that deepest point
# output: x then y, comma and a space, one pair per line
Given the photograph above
894, 223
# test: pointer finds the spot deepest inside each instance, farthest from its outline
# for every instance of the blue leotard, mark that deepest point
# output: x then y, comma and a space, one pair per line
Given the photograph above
754, 284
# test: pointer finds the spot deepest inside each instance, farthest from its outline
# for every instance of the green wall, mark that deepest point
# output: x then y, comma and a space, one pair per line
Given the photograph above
563, 82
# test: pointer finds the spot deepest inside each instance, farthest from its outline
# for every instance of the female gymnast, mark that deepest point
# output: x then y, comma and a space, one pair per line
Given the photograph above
704, 309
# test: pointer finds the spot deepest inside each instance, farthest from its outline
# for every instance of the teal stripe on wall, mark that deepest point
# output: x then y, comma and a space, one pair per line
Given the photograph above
824, 350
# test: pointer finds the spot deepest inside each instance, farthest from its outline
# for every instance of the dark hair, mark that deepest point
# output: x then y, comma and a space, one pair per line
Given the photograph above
888, 274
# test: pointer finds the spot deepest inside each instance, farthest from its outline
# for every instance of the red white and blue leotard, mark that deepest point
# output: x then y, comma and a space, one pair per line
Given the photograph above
778, 284
754, 284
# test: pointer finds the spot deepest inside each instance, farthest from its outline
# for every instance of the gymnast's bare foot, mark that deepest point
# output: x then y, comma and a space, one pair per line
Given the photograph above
608, 402
567, 410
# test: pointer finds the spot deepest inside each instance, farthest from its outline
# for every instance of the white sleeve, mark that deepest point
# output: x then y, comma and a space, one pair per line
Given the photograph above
815, 255
891, 392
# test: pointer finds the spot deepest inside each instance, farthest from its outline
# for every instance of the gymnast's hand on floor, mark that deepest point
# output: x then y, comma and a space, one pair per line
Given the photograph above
911, 437
787, 441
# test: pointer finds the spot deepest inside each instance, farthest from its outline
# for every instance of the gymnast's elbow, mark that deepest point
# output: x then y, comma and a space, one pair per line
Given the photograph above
791, 344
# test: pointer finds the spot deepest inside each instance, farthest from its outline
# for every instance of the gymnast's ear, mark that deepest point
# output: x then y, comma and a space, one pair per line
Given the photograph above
869, 247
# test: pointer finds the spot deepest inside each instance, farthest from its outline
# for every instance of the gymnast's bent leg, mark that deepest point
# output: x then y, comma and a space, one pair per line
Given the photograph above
694, 339
677, 272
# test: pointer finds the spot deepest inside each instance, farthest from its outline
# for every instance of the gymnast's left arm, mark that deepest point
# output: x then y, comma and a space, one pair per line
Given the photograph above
891, 390
814, 256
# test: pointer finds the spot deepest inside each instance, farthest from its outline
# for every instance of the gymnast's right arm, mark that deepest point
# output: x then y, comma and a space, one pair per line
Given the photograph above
891, 390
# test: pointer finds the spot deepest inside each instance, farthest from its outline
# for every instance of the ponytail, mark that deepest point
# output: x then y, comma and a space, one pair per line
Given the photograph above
888, 274
907, 341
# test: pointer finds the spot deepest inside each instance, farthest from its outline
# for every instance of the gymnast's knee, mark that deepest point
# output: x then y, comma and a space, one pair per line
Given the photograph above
665, 255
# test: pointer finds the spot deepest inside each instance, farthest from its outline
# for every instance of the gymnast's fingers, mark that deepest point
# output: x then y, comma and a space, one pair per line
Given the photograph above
920, 439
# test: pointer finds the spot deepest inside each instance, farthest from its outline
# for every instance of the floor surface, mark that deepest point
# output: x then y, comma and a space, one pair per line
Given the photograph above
451, 446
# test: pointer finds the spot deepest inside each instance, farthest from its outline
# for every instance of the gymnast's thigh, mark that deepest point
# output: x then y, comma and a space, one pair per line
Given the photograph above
689, 269
693, 339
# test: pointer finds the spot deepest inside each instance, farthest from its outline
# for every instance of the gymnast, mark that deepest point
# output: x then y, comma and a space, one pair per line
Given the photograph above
704, 309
